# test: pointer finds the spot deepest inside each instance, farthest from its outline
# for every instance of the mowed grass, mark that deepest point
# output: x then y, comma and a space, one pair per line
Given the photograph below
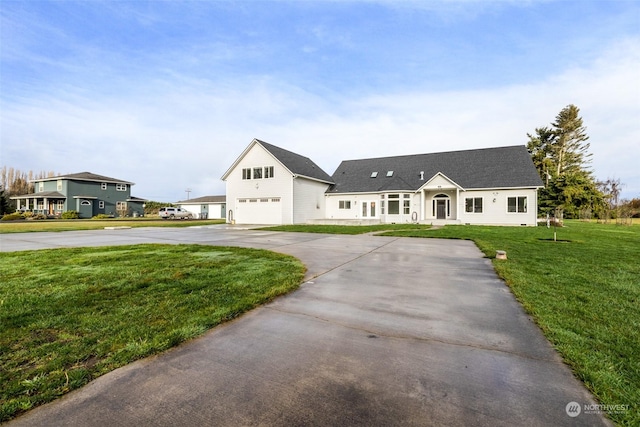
96, 224
584, 294
346, 229
68, 316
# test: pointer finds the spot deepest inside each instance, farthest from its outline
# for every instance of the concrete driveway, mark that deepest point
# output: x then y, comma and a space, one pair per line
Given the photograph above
385, 331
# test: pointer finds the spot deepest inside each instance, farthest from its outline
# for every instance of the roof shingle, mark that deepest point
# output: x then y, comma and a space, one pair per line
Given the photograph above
297, 164
500, 167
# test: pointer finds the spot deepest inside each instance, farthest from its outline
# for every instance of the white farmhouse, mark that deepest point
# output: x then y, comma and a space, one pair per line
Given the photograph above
497, 186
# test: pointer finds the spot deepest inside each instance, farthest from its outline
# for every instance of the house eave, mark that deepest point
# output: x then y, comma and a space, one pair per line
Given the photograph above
313, 179
524, 187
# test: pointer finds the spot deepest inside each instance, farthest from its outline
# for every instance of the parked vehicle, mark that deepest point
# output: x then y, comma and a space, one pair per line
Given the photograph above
174, 213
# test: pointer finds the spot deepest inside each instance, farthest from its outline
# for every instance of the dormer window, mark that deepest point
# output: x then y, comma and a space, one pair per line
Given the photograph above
374, 174
389, 173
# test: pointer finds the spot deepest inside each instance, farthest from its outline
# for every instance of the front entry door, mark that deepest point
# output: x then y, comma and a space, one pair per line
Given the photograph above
441, 209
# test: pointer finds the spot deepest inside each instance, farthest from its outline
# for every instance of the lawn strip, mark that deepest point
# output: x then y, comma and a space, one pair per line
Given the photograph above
97, 224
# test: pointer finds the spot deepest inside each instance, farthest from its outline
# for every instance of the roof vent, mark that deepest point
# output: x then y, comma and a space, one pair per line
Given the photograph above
374, 174
421, 175
389, 173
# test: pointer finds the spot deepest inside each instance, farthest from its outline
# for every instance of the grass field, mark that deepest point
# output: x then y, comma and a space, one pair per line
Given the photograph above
346, 229
71, 315
96, 224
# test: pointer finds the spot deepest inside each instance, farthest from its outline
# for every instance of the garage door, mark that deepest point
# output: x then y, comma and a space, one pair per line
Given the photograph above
259, 211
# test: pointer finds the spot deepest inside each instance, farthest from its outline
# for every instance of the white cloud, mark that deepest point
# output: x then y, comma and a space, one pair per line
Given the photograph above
170, 135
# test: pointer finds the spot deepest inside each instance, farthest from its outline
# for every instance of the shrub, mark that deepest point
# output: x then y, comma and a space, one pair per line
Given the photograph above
102, 216
12, 216
70, 215
36, 216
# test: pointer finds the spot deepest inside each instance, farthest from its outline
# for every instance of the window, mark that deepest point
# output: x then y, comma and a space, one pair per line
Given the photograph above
268, 171
242, 201
59, 185
257, 173
264, 200
40, 187
103, 186
394, 204
86, 203
517, 204
406, 209
121, 206
473, 204
389, 173
60, 205
344, 204
276, 200
121, 187
246, 173
374, 174
101, 204
253, 200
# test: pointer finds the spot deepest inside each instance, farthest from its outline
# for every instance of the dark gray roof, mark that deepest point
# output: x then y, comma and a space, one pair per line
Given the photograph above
500, 167
297, 164
51, 194
85, 176
205, 199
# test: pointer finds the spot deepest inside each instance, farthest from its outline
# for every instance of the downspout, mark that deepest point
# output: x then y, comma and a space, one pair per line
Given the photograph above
293, 200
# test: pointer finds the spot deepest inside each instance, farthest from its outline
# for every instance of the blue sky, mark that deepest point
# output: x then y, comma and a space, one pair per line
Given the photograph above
168, 94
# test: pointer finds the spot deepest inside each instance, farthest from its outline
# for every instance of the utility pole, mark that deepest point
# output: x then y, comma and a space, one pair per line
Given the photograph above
188, 190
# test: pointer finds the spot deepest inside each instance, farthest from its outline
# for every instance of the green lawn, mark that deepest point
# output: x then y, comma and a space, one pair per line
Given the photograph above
346, 229
584, 294
96, 224
70, 315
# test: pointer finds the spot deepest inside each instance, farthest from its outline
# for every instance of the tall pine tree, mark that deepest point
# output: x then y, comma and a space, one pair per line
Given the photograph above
561, 155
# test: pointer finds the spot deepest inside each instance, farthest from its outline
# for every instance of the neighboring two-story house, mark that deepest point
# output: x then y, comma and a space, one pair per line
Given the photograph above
87, 193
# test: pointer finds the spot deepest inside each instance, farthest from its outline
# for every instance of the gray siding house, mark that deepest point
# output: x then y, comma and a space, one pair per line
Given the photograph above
87, 193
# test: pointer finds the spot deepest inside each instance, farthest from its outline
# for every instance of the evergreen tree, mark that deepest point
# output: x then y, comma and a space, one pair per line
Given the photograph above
561, 156
4, 203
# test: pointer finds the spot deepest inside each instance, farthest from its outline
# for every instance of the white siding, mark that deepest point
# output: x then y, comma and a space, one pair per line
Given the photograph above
308, 196
214, 210
438, 182
333, 210
494, 207
266, 188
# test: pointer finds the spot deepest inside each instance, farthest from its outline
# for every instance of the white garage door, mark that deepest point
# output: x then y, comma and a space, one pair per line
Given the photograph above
259, 211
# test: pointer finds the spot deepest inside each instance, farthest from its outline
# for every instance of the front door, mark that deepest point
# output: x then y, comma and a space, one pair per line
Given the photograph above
441, 209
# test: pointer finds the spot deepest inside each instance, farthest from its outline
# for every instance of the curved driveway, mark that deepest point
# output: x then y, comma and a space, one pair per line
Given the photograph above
385, 331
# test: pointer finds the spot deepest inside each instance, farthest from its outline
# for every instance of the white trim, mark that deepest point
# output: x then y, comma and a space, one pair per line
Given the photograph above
455, 184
